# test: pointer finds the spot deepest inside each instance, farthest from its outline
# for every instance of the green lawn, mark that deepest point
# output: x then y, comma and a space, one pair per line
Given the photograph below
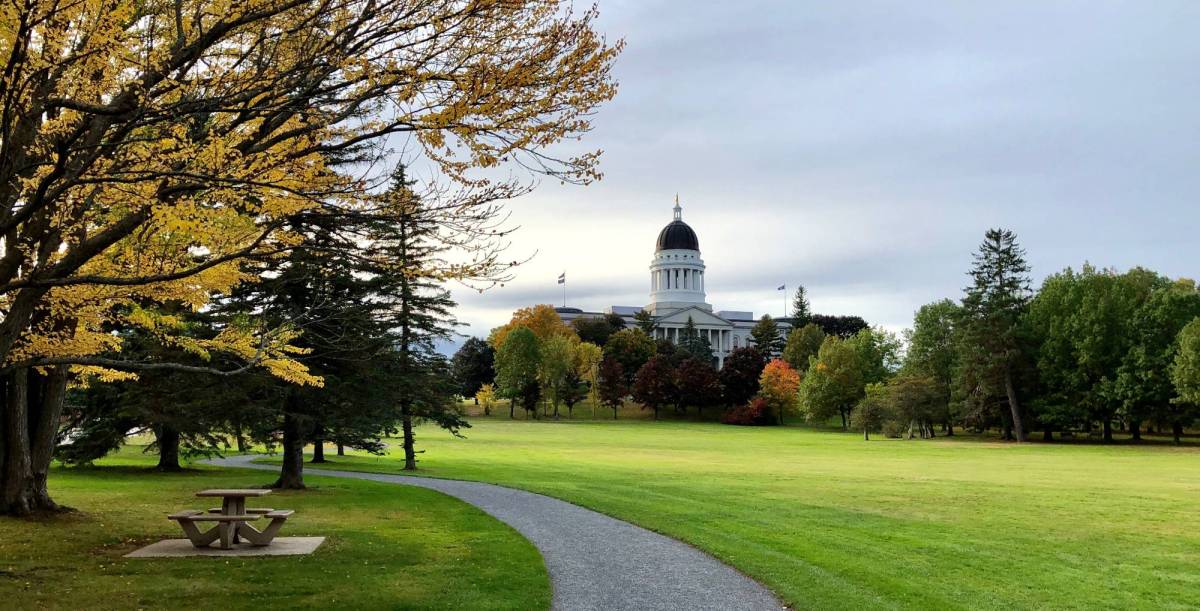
387, 546
830, 521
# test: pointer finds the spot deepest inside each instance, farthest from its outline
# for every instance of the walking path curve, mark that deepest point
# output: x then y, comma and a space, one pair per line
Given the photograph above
594, 561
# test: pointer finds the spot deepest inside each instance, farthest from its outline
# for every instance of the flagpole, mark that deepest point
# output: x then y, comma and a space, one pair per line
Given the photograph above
785, 300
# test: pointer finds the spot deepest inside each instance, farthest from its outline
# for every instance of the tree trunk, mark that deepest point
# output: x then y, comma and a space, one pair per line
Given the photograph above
1011, 391
866, 435
1177, 432
1135, 430
242, 446
341, 449
1107, 430
168, 448
1047, 434
614, 413
410, 452
512, 407
291, 474
843, 414
29, 415
318, 451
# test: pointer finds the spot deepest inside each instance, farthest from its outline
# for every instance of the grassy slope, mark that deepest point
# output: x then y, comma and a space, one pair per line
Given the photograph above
830, 521
387, 547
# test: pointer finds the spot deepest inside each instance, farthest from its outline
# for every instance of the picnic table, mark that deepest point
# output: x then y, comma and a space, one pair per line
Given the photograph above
233, 500
233, 519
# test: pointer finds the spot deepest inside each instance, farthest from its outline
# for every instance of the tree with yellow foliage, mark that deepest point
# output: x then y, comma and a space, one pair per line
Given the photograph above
147, 148
541, 319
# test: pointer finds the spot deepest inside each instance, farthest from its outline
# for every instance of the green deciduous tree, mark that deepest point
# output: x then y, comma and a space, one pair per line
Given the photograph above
474, 365
587, 358
833, 383
517, 363
840, 326
872, 410
558, 369
878, 352
932, 351
1143, 380
1185, 374
631, 348
1083, 324
802, 345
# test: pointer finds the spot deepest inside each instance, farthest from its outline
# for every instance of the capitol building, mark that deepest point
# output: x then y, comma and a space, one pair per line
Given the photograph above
677, 293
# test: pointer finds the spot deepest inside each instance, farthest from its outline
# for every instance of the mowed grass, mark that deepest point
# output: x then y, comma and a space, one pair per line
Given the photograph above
387, 546
830, 521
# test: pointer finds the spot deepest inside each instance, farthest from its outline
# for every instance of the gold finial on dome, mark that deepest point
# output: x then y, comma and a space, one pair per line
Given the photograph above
678, 210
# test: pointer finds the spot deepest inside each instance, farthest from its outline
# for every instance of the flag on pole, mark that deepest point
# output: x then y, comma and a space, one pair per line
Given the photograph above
782, 287
562, 278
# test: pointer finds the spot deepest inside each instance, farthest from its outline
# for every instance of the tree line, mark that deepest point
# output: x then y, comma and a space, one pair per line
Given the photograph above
1088, 352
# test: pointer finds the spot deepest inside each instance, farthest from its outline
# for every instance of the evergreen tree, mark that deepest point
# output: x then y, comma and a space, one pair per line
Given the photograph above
694, 345
801, 310
992, 308
645, 321
767, 337
407, 265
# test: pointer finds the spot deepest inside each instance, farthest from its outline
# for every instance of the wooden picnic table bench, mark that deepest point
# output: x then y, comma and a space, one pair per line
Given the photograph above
232, 519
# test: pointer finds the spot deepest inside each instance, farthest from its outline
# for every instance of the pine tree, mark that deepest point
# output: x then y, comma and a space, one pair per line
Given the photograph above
992, 308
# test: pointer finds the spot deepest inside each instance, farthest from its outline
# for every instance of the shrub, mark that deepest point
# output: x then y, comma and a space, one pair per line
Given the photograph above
894, 429
754, 413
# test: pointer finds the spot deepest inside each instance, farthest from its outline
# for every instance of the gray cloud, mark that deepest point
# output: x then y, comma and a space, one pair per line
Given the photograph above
862, 148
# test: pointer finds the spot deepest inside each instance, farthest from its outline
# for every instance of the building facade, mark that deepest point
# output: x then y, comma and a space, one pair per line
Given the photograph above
677, 293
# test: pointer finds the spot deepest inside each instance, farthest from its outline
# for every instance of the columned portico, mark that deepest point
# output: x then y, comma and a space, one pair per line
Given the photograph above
678, 293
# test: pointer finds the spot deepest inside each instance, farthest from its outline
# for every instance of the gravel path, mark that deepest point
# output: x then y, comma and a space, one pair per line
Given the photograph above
595, 562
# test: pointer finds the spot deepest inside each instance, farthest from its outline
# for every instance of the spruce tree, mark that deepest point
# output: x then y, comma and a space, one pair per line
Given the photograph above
766, 336
407, 259
801, 311
992, 306
693, 344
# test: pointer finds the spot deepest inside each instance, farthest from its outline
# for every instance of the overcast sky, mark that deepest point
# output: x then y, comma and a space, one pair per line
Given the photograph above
862, 149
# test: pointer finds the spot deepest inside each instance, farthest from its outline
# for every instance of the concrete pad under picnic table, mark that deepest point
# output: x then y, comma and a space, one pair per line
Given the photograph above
181, 548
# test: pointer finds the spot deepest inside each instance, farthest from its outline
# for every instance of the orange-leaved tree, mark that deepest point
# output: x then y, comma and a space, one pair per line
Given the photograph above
779, 386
